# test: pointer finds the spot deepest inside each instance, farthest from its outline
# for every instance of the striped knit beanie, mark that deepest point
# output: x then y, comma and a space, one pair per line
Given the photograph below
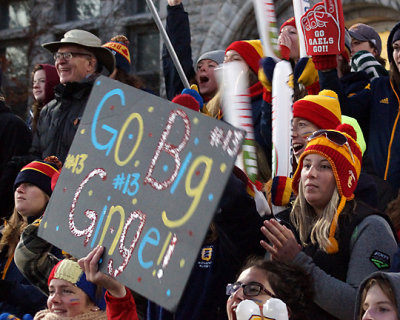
119, 48
250, 50
70, 271
322, 109
39, 173
345, 170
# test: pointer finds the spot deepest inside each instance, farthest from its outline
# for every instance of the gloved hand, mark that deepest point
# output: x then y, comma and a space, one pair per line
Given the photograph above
266, 72
190, 98
323, 27
5, 288
306, 74
281, 190
265, 75
326, 62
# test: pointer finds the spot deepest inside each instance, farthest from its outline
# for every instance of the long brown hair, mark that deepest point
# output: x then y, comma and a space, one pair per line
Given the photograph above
13, 228
36, 106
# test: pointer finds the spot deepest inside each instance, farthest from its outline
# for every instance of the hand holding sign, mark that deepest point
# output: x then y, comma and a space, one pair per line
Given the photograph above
323, 30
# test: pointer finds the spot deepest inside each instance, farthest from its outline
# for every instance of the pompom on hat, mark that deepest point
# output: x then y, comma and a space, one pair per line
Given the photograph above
250, 50
340, 148
322, 109
119, 48
70, 271
40, 173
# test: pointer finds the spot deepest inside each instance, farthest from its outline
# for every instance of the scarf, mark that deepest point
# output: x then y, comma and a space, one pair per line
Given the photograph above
92, 315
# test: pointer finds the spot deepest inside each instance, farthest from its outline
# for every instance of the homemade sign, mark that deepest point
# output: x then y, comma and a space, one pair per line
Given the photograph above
143, 178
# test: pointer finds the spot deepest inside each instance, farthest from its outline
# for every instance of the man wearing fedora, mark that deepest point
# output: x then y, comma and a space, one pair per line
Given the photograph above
79, 59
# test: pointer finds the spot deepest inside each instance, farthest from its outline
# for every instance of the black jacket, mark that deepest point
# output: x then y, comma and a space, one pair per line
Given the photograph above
60, 118
15, 140
178, 31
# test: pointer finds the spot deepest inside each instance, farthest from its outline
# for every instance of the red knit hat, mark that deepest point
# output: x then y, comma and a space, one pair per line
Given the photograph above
345, 158
250, 50
289, 22
323, 109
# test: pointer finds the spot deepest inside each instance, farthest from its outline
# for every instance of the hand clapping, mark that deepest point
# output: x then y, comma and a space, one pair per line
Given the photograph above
283, 245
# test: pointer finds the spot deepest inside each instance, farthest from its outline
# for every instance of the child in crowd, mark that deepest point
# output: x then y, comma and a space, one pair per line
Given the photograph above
379, 297
44, 79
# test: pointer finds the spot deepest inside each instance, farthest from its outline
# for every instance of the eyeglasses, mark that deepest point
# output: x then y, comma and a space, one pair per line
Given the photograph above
251, 289
68, 55
333, 136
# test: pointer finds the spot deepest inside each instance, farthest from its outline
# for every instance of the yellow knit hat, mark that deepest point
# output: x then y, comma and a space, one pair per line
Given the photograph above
345, 157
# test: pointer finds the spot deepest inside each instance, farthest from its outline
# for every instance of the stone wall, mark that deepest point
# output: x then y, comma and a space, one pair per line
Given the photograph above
216, 23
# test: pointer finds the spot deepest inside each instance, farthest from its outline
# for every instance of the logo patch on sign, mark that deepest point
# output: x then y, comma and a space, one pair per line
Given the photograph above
380, 260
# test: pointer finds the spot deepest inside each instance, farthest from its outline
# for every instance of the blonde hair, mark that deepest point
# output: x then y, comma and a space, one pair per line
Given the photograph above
309, 225
214, 106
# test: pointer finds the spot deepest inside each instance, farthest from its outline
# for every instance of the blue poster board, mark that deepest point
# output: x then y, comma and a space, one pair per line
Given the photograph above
143, 178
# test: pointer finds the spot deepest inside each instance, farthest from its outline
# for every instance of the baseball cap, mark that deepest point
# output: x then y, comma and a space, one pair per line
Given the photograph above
363, 32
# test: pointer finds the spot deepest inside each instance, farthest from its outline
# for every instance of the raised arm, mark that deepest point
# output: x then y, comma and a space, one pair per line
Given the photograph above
178, 31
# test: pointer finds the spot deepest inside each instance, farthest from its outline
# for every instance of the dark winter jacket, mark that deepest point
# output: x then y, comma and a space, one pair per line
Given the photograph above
237, 223
376, 108
178, 31
17, 295
60, 119
15, 140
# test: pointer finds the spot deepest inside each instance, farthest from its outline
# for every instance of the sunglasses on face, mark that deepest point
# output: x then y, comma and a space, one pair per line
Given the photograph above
251, 289
335, 137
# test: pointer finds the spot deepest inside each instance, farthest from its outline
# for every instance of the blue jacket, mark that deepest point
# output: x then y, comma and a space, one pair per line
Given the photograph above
22, 297
376, 108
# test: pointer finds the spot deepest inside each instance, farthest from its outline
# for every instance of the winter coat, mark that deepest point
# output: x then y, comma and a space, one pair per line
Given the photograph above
60, 118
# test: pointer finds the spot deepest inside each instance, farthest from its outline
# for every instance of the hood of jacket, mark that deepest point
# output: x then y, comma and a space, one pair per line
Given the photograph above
394, 279
390, 44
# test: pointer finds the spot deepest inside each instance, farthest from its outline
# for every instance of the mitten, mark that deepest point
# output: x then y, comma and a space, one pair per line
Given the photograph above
189, 98
285, 52
281, 190
306, 74
365, 61
265, 75
266, 72
325, 62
